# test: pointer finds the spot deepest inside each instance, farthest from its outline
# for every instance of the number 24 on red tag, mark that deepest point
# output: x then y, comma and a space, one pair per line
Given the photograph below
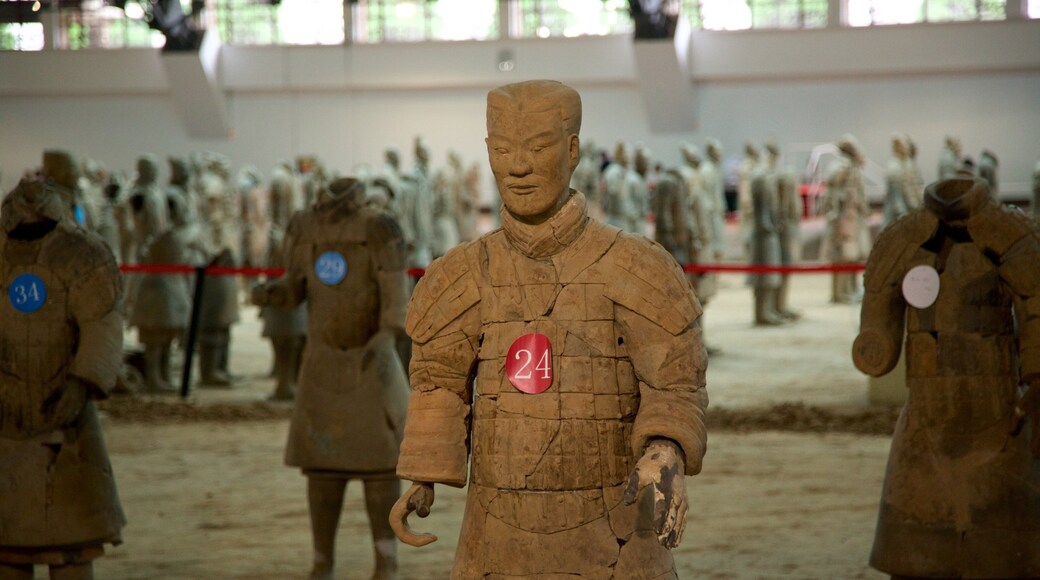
529, 363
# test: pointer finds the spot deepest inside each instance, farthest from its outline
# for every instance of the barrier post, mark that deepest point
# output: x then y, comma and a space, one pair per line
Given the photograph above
193, 330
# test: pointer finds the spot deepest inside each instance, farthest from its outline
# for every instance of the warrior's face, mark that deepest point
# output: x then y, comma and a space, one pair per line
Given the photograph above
33, 206
532, 158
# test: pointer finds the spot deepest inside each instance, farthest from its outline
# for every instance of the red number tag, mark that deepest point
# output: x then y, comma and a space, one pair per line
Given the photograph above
529, 363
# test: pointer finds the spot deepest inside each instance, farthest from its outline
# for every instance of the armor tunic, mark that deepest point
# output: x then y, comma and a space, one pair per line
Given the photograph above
549, 470
59, 500
961, 497
352, 393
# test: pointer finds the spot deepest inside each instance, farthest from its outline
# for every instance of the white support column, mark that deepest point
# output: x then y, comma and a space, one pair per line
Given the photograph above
348, 22
505, 18
1016, 9
836, 13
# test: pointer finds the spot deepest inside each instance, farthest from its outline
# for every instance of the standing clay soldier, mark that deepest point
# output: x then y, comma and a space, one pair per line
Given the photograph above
846, 209
897, 197
950, 158
163, 306
466, 202
412, 210
60, 350
286, 328
745, 173
715, 188
987, 169
701, 206
962, 490
148, 207
789, 225
914, 179
444, 193
586, 177
583, 348
1036, 191
764, 245
219, 307
621, 205
671, 216
348, 262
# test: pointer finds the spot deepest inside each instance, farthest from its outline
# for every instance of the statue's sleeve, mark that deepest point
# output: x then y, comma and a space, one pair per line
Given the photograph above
883, 312
385, 237
657, 312
295, 257
443, 322
1014, 240
95, 301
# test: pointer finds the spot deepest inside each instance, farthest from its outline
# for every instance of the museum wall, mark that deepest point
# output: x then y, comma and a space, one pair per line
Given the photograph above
980, 81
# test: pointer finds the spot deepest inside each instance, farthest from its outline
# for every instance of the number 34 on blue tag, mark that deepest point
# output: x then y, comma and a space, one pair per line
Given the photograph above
331, 268
27, 293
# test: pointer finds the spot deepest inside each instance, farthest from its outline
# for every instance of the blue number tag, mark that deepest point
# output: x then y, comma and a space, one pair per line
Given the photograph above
80, 214
27, 293
331, 268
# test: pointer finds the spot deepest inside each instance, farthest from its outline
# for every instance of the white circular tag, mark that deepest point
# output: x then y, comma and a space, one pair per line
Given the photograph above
921, 286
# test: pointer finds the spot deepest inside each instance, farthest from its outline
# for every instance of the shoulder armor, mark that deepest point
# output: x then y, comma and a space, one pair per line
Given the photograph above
79, 252
446, 292
382, 227
386, 240
895, 244
649, 282
996, 228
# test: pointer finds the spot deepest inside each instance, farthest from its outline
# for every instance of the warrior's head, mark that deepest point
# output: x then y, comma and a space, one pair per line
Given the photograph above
533, 146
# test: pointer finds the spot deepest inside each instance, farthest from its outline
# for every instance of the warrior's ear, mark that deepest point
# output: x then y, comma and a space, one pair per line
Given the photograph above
573, 150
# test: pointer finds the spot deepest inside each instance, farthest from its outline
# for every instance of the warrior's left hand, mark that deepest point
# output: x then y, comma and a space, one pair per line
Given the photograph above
663, 467
1028, 409
66, 403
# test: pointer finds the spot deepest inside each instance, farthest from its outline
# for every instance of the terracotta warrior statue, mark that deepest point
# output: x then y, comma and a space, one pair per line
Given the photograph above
148, 207
411, 209
221, 227
582, 345
898, 197
60, 350
621, 204
789, 224
764, 243
286, 328
702, 209
987, 170
444, 191
962, 490
914, 179
163, 307
749, 165
950, 158
715, 187
347, 261
1036, 191
847, 240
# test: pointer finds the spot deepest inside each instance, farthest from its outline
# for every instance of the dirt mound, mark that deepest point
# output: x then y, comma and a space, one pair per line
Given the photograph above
791, 417
801, 418
166, 411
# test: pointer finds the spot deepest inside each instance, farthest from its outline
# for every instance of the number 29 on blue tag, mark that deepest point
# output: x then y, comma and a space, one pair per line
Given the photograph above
331, 268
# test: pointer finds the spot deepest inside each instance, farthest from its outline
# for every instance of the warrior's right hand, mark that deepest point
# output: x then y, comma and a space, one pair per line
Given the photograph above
419, 499
1028, 409
259, 295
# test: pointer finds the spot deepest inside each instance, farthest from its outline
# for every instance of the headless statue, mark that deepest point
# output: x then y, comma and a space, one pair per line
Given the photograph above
347, 260
61, 344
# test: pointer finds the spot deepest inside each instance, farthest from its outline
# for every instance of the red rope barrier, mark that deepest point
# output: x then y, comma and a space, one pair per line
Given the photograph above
419, 272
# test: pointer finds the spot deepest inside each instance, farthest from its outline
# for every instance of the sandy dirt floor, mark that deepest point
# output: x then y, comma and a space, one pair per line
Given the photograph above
786, 492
